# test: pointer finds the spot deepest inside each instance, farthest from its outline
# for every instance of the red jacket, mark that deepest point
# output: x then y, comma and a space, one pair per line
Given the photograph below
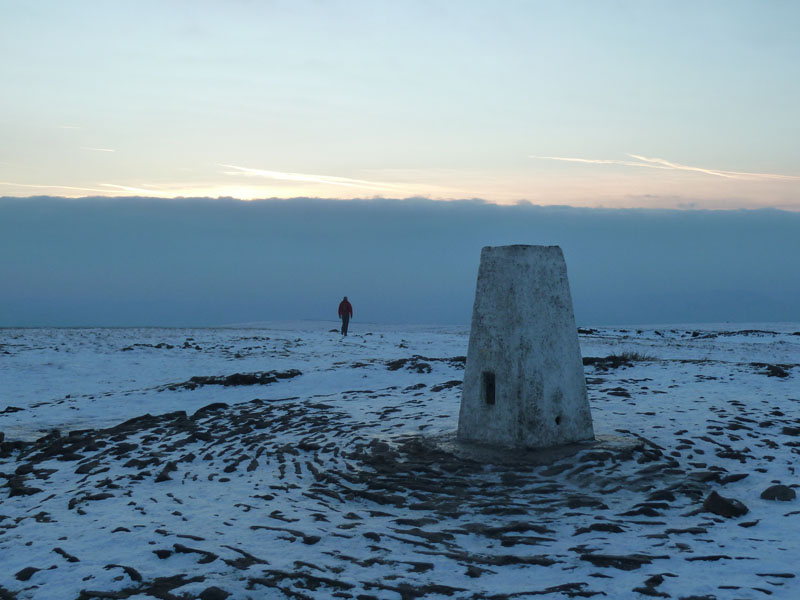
344, 308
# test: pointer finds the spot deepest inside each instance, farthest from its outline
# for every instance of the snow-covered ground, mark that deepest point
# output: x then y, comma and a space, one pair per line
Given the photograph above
325, 473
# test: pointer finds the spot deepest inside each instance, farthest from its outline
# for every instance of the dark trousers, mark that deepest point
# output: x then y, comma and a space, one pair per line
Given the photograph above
345, 323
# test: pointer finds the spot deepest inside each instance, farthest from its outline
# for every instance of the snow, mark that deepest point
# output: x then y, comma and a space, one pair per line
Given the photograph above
699, 394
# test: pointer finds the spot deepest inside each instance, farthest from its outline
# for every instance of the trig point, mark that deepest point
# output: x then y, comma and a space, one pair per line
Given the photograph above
523, 382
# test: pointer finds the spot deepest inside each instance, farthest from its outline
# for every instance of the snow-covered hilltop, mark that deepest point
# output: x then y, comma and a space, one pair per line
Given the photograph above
289, 462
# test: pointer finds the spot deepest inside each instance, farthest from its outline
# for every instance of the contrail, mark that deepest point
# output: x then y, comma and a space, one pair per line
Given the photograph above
660, 163
97, 149
599, 161
717, 172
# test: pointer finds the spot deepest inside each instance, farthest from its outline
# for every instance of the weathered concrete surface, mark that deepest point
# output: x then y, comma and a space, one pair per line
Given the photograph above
523, 382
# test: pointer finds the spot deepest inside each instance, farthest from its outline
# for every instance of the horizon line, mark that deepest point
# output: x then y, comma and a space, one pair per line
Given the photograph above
521, 203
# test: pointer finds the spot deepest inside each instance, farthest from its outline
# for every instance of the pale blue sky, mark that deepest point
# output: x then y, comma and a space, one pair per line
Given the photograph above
439, 99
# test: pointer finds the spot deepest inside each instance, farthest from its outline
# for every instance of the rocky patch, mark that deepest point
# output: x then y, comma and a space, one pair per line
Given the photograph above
421, 364
236, 379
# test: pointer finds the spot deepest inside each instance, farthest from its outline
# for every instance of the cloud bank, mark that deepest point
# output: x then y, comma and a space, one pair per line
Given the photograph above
147, 261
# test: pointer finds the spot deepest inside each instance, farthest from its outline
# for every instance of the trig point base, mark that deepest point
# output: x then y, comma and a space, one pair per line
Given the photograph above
523, 382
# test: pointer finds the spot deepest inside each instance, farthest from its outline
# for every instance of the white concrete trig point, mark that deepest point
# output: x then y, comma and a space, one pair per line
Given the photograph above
523, 383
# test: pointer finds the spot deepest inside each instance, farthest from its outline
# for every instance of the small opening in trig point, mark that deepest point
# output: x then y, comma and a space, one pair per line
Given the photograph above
558, 420
488, 387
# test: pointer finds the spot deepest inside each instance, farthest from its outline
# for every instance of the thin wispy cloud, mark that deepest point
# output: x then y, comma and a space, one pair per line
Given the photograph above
97, 149
128, 188
717, 172
660, 163
52, 187
599, 161
68, 127
309, 178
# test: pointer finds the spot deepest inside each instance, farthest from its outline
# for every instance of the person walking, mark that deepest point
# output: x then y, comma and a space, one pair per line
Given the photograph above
345, 314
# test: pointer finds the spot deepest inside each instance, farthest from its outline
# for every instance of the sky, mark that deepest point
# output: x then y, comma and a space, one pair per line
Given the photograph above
204, 262
615, 104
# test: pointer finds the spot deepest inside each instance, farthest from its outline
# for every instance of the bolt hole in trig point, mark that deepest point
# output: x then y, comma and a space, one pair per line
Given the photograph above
487, 387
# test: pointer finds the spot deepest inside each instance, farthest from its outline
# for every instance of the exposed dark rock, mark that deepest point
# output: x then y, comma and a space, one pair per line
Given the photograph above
122, 448
778, 492
100, 496
605, 527
84, 497
749, 523
213, 593
272, 577
207, 556
236, 379
627, 562
87, 467
618, 391
129, 571
585, 502
420, 364
67, 555
650, 591
473, 571
17, 487
732, 478
654, 581
214, 406
613, 361
662, 495
408, 591
690, 530
245, 561
724, 507
164, 475
161, 587
773, 370
645, 511
416, 386
4, 593
446, 385
7, 448
26, 573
